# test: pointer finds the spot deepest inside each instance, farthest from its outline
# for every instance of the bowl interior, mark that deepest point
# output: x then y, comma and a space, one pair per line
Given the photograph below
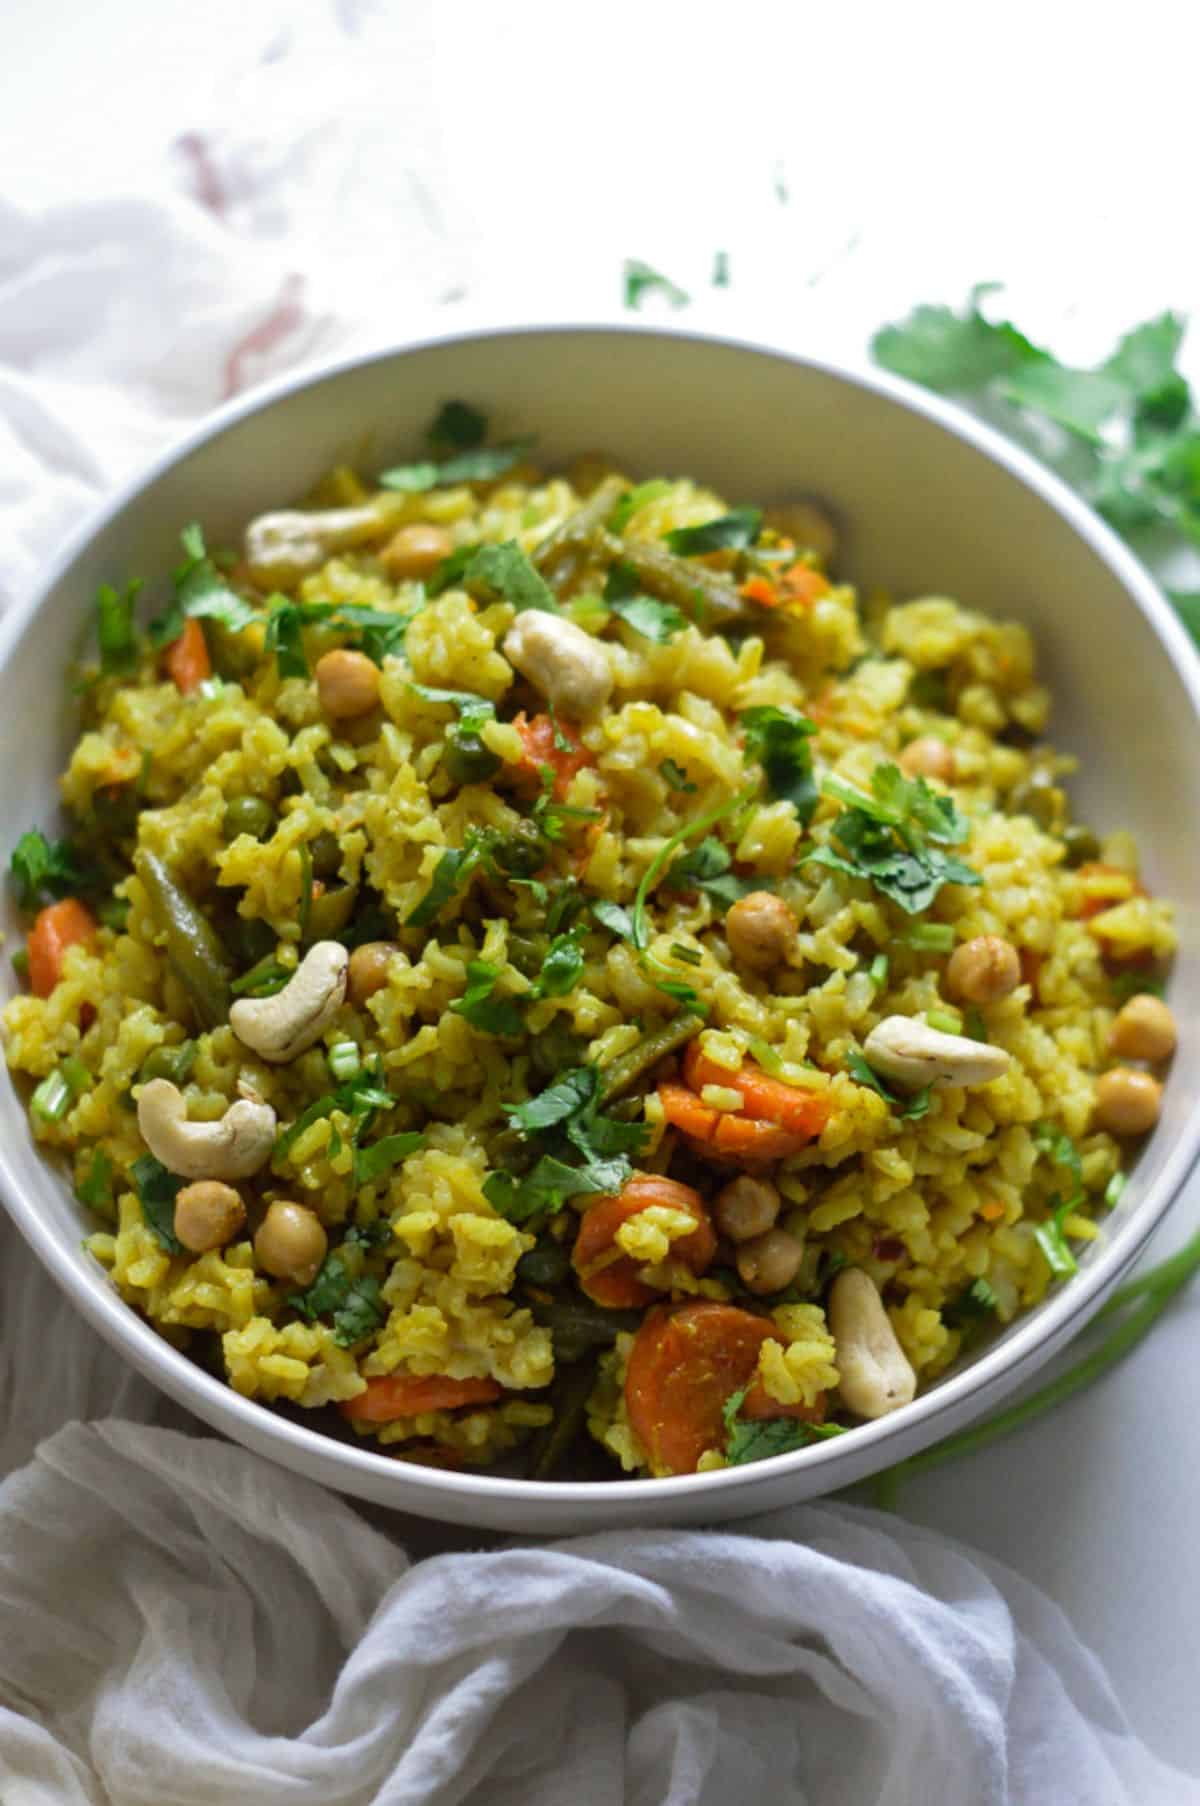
928, 505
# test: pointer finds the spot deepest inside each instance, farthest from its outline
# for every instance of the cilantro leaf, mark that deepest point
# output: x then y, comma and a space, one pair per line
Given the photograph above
450, 874
733, 531
884, 837
566, 1119
654, 620
758, 1440
352, 1301
618, 921
971, 1306
382, 1155
505, 572
490, 1014
641, 928
40, 867
636, 498
115, 631
457, 426
482, 466
1079, 400
639, 279
472, 710
779, 739
953, 353
200, 592
157, 1190
561, 967
909, 1109
574, 1092
709, 868
95, 1189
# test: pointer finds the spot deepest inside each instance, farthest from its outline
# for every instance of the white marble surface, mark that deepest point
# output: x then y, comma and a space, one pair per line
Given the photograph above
530, 149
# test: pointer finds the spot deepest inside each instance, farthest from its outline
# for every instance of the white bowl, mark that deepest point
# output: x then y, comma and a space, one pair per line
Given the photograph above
931, 503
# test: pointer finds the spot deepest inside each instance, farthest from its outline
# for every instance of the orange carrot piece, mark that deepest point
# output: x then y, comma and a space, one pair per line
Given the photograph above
539, 738
614, 1283
762, 591
407, 1395
683, 1108
764, 1099
186, 659
802, 585
57, 927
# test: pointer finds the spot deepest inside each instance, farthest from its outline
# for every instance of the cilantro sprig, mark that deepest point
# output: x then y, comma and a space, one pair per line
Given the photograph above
779, 738
46, 868
201, 593
762, 1438
343, 1292
456, 436
894, 838
909, 1109
580, 1150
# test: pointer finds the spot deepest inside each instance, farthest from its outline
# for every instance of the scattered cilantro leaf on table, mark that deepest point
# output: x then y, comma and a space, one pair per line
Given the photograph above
640, 279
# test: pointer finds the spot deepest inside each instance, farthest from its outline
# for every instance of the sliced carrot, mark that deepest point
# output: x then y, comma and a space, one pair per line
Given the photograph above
765, 1099
762, 591
540, 739
683, 1108
685, 1363
992, 1211
609, 1277
727, 1132
802, 585
57, 927
186, 659
408, 1394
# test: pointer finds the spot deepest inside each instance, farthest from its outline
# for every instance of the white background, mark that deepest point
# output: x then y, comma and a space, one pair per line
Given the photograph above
525, 151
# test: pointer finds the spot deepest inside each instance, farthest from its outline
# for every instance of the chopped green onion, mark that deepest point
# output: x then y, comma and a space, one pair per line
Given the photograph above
691, 956
306, 890
929, 937
345, 1061
1113, 1190
877, 971
263, 979
76, 1074
59, 1089
768, 1057
948, 1021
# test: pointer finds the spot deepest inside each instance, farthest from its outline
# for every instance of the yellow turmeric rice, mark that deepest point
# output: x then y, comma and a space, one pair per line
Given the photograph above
615, 932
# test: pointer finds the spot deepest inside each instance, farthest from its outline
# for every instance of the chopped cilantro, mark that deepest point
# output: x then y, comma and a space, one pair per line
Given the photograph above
1057, 1146
457, 426
472, 710
765, 1437
910, 1109
1135, 984
157, 1190
709, 868
639, 279
893, 838
974, 1026
641, 931
634, 499
618, 921
779, 739
40, 867
729, 532
450, 874
567, 1123
654, 620
482, 466
359, 1098
372, 1162
115, 631
351, 1300
676, 777
974, 1304
479, 1006
449, 572
95, 1189
200, 592
505, 572
378, 631
561, 967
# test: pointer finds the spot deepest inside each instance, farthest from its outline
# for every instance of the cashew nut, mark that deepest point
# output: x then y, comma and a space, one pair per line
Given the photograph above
560, 660
911, 1054
237, 1145
874, 1373
282, 547
280, 1027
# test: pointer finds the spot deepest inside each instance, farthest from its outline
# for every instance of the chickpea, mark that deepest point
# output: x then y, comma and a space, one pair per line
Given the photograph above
291, 1243
207, 1215
761, 930
929, 757
1144, 1030
416, 550
1127, 1101
983, 970
746, 1208
369, 969
347, 684
770, 1261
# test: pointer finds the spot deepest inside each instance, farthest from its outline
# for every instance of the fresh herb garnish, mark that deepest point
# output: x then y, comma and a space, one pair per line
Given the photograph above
457, 427
909, 1109
641, 931
582, 1150
458, 430
1057, 1146
382, 1155
635, 499
201, 593
1131, 432
157, 1190
40, 867
639, 279
894, 836
970, 1307
779, 739
612, 916
676, 777
116, 635
352, 1300
1125, 985
709, 868
472, 710
654, 620
505, 572
481, 1008
729, 532
379, 632
450, 874
758, 1440
359, 1099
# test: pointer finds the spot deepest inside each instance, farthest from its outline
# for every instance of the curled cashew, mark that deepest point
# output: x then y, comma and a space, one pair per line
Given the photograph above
560, 660
285, 546
874, 1373
280, 1027
911, 1054
235, 1146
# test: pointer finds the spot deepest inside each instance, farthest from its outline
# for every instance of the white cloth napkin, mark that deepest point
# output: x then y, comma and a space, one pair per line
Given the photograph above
181, 1624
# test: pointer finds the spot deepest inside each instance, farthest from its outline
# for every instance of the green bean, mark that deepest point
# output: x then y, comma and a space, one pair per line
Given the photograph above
546, 1265
251, 815
629, 1067
577, 532
695, 588
194, 952
174, 1063
326, 854
466, 759
331, 912
556, 1049
569, 1396
577, 1325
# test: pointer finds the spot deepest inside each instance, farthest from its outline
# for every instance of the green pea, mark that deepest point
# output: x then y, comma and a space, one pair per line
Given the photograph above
1081, 844
174, 1063
521, 854
326, 855
467, 760
331, 912
251, 815
1040, 798
546, 1265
